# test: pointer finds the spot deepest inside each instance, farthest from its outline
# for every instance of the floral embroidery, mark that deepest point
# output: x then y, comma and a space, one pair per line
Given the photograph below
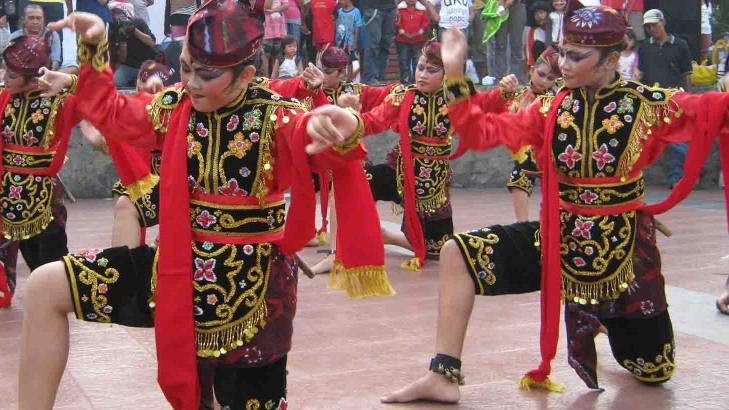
610, 107
582, 228
603, 157
588, 196
15, 192
567, 103
443, 110
562, 137
419, 128
9, 110
205, 219
657, 95
254, 137
625, 105
575, 106
578, 261
440, 129
240, 145
569, 156
232, 123
201, 130
628, 118
647, 307
193, 147
18, 160
88, 254
103, 288
245, 172
8, 134
586, 17
612, 124
211, 299
425, 172
565, 119
29, 138
232, 188
419, 110
248, 249
430, 151
37, 116
252, 120
204, 270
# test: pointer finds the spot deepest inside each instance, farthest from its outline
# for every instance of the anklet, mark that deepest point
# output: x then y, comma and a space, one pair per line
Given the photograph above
449, 367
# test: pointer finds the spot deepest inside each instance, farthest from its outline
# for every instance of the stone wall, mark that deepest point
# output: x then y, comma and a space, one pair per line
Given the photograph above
89, 174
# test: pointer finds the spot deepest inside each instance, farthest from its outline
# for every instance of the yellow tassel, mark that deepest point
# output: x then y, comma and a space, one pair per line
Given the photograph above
411, 265
521, 155
322, 238
527, 382
360, 281
397, 209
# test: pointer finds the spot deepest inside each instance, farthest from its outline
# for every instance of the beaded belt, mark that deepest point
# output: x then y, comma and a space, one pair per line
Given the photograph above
431, 148
237, 220
595, 197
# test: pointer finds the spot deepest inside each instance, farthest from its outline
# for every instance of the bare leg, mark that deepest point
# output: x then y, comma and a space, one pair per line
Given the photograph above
47, 303
395, 238
455, 302
126, 230
325, 265
520, 199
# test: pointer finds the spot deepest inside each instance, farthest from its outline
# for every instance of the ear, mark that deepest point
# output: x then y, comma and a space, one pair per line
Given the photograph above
613, 60
247, 75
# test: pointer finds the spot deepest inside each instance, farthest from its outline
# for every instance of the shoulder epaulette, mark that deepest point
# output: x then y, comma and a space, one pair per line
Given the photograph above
162, 105
397, 94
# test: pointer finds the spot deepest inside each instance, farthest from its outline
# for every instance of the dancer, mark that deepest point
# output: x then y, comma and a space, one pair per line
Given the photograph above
417, 172
222, 284
543, 75
597, 239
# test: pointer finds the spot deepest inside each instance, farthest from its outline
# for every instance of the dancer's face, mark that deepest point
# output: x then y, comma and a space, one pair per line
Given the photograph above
428, 77
212, 88
542, 78
16, 83
581, 66
332, 77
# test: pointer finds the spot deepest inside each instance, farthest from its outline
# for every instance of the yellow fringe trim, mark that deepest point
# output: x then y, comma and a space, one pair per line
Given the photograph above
144, 186
412, 264
527, 382
29, 229
360, 281
396, 209
322, 238
217, 342
433, 203
593, 293
521, 155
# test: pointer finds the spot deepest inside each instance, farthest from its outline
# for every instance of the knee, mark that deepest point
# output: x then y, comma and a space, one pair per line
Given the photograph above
48, 285
450, 254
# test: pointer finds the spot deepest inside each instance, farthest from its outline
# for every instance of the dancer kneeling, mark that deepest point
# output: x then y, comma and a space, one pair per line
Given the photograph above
597, 236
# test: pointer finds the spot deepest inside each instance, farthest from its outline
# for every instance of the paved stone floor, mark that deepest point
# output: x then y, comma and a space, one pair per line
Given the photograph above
348, 352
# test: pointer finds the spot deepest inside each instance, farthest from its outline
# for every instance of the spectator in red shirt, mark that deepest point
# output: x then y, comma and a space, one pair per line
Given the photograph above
322, 23
412, 29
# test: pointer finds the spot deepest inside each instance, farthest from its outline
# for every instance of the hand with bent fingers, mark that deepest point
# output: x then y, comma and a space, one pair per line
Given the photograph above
349, 100
153, 85
313, 76
453, 51
329, 125
509, 84
51, 83
89, 26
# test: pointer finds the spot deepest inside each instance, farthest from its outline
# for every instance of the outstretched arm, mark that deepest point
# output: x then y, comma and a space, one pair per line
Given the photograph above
116, 116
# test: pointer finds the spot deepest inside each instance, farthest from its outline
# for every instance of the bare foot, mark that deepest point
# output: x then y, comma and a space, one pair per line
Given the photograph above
722, 303
324, 265
432, 387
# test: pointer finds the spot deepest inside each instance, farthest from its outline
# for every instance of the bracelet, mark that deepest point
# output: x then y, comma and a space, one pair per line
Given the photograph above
449, 367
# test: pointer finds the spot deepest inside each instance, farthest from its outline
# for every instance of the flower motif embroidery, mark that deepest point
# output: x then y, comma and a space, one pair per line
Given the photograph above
240, 145
567, 103
570, 156
582, 228
9, 110
430, 151
211, 299
578, 261
586, 17
205, 219
18, 160
602, 157
232, 123
252, 120
565, 119
625, 105
89, 254
15, 192
29, 138
232, 188
647, 307
37, 116
443, 110
575, 106
419, 128
8, 134
248, 249
628, 118
440, 129
204, 270
610, 107
425, 172
419, 110
245, 172
103, 288
588, 197
657, 95
612, 124
193, 147
201, 130
254, 137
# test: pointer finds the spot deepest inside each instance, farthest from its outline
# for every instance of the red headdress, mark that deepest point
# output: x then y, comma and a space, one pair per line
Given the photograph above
225, 33
151, 67
595, 26
431, 52
334, 57
27, 54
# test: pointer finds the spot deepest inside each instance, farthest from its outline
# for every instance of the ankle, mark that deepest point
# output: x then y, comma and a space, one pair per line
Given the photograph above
449, 367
